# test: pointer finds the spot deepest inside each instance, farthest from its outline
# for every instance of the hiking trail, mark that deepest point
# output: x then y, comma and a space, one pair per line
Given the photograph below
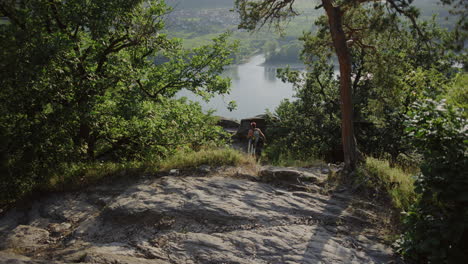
224, 215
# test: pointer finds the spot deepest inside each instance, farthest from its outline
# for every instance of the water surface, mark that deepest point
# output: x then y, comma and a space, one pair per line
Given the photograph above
254, 87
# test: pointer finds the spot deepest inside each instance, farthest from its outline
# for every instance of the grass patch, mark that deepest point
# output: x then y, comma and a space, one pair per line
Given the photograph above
80, 175
77, 176
211, 157
397, 183
290, 161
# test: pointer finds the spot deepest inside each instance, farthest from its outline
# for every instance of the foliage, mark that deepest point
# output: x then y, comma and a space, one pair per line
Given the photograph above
388, 76
93, 80
395, 69
394, 182
309, 125
459, 9
154, 130
384, 86
457, 94
437, 225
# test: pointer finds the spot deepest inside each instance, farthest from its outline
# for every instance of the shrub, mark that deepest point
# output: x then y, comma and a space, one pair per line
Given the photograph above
436, 227
458, 93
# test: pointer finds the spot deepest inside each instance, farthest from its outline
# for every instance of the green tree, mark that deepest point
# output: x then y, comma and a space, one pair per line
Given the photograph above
80, 78
257, 13
394, 69
389, 73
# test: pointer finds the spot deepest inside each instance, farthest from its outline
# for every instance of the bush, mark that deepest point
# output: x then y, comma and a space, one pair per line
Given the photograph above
436, 227
155, 130
458, 93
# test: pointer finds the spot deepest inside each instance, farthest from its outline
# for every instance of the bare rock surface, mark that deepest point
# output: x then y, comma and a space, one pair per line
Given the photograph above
199, 219
291, 175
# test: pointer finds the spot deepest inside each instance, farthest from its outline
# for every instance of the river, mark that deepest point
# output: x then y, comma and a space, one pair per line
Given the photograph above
254, 87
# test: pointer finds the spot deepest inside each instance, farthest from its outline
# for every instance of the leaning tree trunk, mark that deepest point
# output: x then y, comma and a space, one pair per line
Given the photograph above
335, 16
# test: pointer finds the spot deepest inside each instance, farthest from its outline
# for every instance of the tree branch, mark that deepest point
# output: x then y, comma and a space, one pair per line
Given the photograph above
12, 17
144, 90
409, 16
322, 89
56, 15
107, 51
196, 71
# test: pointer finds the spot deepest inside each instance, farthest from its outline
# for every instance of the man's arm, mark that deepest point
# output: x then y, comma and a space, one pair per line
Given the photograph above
261, 133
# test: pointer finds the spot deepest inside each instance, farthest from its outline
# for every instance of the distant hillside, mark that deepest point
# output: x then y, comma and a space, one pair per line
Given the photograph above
200, 4
428, 7
198, 21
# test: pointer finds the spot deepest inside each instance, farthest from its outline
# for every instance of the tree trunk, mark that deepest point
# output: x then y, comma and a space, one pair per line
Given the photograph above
335, 16
85, 136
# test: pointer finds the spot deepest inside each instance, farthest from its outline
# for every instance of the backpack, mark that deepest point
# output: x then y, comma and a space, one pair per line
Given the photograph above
256, 134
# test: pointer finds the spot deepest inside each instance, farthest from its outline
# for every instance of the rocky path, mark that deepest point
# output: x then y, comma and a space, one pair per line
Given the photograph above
281, 216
